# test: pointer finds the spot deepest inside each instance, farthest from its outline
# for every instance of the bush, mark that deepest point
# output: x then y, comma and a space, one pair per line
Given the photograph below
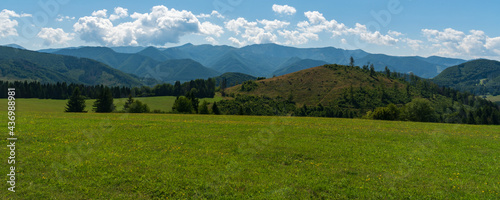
420, 110
182, 105
248, 86
203, 109
138, 107
391, 112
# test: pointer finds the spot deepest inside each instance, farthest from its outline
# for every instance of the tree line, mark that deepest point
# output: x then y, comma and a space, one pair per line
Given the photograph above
35, 89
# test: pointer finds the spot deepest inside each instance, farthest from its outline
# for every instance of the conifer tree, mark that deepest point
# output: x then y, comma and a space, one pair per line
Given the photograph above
104, 102
76, 102
215, 109
129, 102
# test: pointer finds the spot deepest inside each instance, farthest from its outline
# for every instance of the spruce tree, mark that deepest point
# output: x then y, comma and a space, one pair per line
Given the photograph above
76, 102
104, 102
129, 102
215, 109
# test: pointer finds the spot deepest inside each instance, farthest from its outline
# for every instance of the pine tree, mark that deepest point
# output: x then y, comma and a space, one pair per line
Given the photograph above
76, 102
223, 87
372, 70
104, 102
215, 109
129, 102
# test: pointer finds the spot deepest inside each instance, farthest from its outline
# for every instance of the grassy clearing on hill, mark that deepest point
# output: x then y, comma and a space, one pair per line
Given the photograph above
493, 98
142, 156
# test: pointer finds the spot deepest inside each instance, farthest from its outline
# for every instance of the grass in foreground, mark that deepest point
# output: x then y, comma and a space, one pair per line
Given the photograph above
148, 156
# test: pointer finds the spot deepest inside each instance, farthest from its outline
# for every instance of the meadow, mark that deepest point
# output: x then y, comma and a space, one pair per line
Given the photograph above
158, 156
163, 103
493, 98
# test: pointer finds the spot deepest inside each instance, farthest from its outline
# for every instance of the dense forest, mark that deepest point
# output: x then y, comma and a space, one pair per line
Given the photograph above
480, 77
25, 89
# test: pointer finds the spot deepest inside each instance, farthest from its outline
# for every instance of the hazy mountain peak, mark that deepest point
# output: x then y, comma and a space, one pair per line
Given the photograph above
14, 46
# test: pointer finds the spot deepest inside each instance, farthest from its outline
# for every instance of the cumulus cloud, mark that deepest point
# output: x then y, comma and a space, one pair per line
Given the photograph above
252, 32
296, 37
237, 42
54, 36
61, 18
100, 13
372, 37
273, 25
119, 13
208, 28
318, 23
414, 44
284, 9
159, 27
7, 24
213, 14
394, 33
212, 40
451, 42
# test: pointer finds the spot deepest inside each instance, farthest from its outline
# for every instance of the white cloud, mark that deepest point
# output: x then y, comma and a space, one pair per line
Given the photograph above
61, 18
54, 36
8, 25
273, 25
284, 9
413, 44
493, 43
252, 32
318, 23
315, 17
235, 25
451, 42
217, 14
119, 13
372, 37
237, 42
212, 40
159, 27
394, 33
296, 37
213, 14
208, 28
100, 13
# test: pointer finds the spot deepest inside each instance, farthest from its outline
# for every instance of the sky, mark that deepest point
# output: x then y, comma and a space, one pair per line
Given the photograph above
457, 29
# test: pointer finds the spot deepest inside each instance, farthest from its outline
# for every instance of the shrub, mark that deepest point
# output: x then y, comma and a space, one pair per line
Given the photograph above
138, 107
182, 105
420, 110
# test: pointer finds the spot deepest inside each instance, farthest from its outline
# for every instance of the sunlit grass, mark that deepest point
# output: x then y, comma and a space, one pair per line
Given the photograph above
144, 156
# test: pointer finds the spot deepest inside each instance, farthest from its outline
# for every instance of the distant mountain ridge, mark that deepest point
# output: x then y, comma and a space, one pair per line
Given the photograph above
262, 60
156, 65
480, 77
20, 65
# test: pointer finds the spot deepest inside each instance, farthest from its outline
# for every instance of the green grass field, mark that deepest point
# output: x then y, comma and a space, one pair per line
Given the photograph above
155, 103
158, 156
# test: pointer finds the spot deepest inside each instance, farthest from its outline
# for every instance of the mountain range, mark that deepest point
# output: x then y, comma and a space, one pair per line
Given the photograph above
478, 76
23, 65
260, 60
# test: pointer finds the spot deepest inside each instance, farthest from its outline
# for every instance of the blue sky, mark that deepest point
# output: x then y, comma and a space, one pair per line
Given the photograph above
460, 29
